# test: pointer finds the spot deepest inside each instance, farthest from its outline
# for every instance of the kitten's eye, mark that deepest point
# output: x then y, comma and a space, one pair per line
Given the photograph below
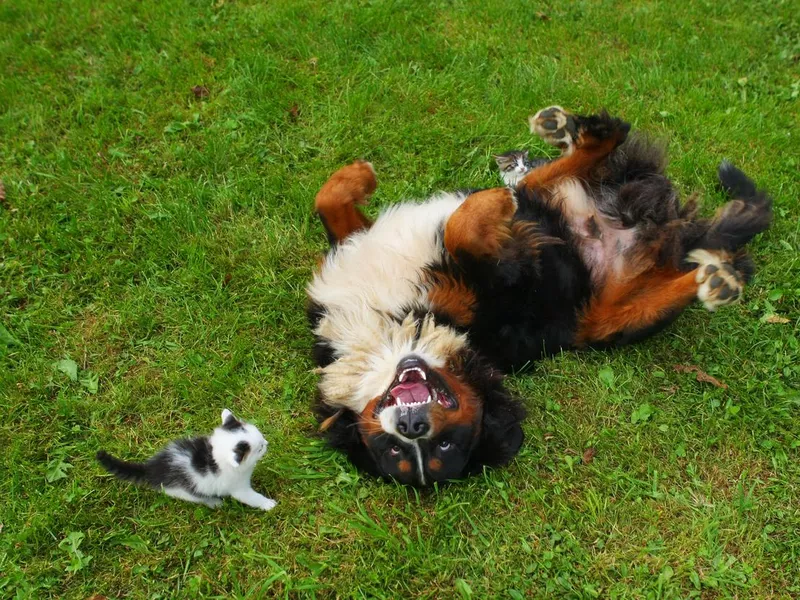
394, 450
445, 446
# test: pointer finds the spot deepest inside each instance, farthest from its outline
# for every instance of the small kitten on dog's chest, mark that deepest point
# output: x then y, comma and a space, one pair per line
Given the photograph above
515, 164
202, 469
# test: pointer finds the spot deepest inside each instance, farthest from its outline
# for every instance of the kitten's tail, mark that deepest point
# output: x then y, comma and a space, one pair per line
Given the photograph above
127, 471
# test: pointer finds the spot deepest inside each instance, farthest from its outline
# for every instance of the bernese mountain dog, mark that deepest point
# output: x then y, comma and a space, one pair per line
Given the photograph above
417, 316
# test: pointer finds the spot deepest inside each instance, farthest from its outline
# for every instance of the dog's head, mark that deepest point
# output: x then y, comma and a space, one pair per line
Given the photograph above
432, 423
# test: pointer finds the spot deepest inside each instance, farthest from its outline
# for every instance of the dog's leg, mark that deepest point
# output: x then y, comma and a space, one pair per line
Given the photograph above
652, 286
481, 225
337, 201
584, 142
626, 310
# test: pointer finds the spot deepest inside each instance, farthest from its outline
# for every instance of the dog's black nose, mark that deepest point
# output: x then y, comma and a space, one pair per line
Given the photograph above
411, 424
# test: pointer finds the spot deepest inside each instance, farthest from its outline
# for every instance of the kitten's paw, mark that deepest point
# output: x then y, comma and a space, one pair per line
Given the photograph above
213, 502
267, 504
555, 126
720, 284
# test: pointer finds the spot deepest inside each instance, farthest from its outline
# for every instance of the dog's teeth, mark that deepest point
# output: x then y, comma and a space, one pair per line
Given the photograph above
404, 375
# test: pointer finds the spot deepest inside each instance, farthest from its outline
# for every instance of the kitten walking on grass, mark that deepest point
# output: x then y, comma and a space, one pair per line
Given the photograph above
202, 469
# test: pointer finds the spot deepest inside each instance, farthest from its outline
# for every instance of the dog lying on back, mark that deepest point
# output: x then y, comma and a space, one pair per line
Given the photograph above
417, 315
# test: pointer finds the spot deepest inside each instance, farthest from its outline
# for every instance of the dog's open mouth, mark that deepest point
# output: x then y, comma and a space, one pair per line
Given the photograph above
416, 385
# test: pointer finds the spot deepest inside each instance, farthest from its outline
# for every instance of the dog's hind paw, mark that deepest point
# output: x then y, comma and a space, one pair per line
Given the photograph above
720, 284
561, 128
556, 127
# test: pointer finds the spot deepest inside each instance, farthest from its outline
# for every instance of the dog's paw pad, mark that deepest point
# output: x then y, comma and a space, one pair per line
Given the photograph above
555, 126
720, 284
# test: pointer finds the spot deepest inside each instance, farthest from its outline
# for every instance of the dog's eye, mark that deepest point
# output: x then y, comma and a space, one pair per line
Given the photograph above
394, 450
445, 446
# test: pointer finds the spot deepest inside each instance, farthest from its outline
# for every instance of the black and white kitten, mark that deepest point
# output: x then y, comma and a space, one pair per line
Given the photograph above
202, 469
515, 164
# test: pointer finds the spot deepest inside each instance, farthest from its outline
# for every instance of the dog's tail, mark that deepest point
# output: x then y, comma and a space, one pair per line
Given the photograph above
747, 214
127, 471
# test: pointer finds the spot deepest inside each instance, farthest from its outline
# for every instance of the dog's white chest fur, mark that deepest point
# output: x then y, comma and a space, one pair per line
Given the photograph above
367, 285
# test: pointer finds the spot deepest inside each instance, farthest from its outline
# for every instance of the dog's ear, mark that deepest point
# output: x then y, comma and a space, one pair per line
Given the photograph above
501, 433
340, 428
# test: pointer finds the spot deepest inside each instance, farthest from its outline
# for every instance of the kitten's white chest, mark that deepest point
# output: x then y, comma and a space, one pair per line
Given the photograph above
513, 175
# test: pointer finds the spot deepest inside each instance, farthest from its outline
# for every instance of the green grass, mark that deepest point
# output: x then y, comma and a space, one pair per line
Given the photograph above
163, 242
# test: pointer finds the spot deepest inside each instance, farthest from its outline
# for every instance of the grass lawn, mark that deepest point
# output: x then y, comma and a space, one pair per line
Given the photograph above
160, 239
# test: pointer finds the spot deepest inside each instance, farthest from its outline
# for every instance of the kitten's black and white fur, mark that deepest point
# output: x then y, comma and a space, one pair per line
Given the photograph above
202, 469
515, 164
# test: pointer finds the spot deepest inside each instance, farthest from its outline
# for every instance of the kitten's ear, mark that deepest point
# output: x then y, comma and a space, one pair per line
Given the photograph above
240, 451
230, 422
525, 155
501, 160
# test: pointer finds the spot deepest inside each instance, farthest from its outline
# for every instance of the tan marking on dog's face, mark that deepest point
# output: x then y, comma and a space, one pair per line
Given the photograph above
468, 412
369, 424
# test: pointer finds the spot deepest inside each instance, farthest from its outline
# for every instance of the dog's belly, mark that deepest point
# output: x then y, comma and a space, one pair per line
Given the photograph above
602, 243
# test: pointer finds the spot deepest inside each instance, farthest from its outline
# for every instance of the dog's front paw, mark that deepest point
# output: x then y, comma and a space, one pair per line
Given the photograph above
720, 284
480, 227
267, 504
353, 184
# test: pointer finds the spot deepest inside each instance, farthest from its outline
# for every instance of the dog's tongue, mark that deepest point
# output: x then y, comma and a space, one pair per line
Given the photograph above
410, 393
